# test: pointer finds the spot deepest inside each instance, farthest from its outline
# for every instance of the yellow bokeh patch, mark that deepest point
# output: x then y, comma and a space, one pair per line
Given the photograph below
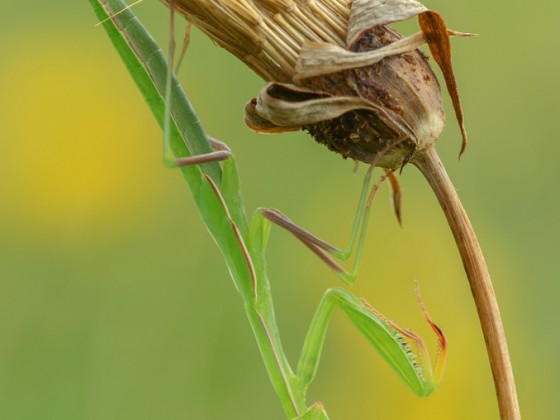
62, 166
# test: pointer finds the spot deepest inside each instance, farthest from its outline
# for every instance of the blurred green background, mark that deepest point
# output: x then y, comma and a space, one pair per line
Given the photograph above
115, 304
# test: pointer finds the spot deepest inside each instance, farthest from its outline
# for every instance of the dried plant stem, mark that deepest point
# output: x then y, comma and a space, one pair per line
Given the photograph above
481, 285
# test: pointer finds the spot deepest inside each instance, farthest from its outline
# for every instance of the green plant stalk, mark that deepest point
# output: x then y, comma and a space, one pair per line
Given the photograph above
148, 67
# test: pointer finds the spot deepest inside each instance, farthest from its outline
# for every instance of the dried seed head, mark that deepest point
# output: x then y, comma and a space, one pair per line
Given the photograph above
404, 92
337, 70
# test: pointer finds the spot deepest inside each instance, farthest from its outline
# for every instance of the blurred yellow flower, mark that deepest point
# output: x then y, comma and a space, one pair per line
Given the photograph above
60, 165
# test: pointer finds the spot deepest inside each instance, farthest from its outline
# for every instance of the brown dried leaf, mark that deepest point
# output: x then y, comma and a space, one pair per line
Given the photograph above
396, 194
437, 36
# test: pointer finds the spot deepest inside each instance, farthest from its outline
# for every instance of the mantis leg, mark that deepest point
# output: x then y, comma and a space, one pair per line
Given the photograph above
324, 250
168, 157
221, 150
410, 361
186, 42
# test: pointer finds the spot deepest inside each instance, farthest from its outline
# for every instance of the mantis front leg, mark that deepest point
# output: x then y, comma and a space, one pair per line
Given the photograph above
403, 350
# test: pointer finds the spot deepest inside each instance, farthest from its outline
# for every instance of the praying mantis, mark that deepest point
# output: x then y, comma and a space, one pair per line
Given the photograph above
209, 169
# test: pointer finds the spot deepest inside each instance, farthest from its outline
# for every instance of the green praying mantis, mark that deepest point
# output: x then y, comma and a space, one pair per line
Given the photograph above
209, 168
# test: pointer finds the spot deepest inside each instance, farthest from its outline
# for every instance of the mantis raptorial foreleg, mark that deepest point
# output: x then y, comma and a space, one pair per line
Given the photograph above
324, 250
396, 345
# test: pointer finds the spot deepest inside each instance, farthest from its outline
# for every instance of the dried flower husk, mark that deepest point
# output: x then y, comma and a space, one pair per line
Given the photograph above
336, 70
392, 108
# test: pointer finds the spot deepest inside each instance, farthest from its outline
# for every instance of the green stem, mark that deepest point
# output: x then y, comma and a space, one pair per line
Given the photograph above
276, 363
148, 67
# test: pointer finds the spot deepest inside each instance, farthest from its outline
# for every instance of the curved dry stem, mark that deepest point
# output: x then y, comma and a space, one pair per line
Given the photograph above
479, 278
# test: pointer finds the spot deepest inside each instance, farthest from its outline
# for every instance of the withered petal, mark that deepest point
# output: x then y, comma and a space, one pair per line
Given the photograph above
288, 105
366, 14
261, 125
318, 59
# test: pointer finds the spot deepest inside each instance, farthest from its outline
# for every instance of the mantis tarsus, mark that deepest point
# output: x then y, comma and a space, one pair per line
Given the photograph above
215, 188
